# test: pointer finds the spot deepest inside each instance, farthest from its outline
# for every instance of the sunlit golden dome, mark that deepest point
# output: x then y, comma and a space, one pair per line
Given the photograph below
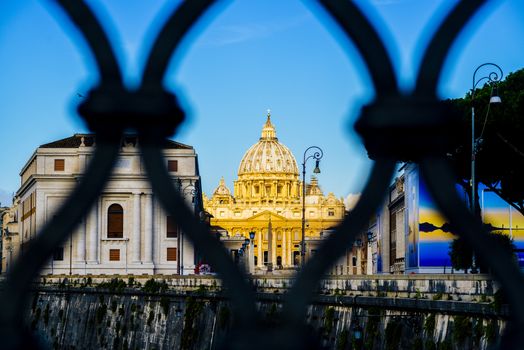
268, 155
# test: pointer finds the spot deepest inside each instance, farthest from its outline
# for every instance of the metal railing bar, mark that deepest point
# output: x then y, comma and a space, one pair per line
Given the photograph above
177, 26
336, 244
88, 25
13, 298
438, 175
155, 114
438, 49
241, 294
358, 29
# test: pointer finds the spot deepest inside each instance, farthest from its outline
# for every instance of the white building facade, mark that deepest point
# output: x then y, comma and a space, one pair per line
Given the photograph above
127, 232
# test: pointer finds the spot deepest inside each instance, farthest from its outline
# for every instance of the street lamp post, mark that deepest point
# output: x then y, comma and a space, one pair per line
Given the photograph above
492, 78
317, 155
70, 255
251, 252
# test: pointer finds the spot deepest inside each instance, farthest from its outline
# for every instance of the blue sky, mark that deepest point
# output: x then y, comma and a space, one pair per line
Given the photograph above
244, 57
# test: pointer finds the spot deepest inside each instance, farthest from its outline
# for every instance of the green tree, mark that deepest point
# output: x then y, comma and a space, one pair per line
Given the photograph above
461, 253
500, 155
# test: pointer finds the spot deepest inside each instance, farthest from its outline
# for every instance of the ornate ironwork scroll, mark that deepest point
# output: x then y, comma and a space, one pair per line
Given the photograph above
391, 126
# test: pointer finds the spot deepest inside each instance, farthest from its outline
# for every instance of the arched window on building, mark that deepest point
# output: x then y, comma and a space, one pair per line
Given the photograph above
115, 221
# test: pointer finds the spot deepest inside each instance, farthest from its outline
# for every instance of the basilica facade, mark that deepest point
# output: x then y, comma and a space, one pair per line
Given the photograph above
267, 200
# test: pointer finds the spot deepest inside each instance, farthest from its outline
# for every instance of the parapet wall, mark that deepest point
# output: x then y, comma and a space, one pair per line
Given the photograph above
459, 287
131, 318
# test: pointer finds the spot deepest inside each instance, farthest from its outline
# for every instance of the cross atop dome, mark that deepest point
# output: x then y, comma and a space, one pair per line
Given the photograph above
268, 131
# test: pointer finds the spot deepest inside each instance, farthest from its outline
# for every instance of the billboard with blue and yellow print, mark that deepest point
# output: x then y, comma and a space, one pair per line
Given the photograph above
430, 248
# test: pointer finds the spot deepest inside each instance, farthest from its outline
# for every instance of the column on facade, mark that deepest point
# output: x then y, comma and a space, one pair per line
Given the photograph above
81, 163
148, 228
93, 233
260, 261
369, 266
274, 248
136, 228
359, 262
290, 243
81, 242
284, 247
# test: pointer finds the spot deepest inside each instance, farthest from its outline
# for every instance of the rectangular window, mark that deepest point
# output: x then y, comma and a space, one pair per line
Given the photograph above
331, 213
266, 255
59, 164
114, 254
172, 165
115, 222
58, 254
172, 229
393, 237
171, 254
296, 258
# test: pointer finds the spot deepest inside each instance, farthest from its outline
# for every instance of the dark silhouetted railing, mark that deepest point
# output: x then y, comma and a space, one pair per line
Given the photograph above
395, 126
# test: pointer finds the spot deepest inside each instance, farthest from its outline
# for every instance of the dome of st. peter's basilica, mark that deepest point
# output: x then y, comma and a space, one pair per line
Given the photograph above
268, 155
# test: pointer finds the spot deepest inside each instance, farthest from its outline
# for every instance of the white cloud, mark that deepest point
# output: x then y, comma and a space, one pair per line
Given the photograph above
351, 200
233, 34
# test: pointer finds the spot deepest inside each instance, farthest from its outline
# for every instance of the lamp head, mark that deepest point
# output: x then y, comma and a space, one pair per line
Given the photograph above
252, 235
357, 332
317, 169
246, 241
495, 98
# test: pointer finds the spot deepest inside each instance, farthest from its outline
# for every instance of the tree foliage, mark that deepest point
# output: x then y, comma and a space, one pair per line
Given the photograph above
499, 127
461, 253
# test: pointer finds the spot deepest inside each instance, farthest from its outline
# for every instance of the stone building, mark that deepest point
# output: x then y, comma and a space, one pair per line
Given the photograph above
267, 200
127, 230
394, 229
8, 236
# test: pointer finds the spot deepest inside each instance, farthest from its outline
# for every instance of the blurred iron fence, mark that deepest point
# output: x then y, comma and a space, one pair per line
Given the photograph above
396, 126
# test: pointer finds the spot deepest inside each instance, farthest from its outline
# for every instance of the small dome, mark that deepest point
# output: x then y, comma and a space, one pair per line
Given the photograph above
268, 155
222, 189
